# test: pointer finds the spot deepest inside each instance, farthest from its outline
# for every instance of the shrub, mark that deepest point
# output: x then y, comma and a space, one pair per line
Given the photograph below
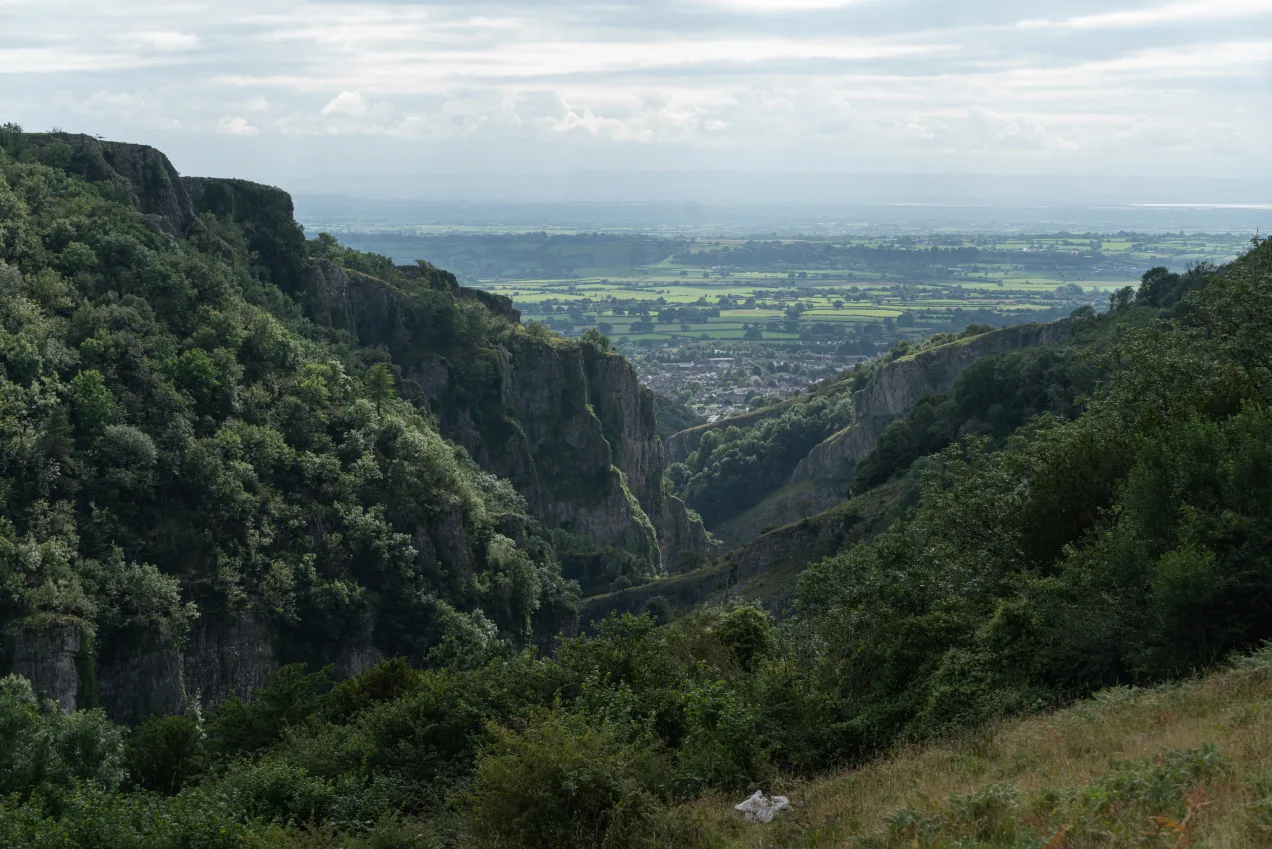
563, 783
239, 727
166, 754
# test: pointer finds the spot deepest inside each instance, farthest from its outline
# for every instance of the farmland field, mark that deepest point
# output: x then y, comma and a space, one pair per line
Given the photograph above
727, 324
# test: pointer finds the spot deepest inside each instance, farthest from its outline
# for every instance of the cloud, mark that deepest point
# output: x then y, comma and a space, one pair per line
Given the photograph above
751, 83
235, 126
161, 40
348, 103
778, 6
1157, 15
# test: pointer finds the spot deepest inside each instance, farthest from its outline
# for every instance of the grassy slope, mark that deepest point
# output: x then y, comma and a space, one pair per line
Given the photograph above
1129, 767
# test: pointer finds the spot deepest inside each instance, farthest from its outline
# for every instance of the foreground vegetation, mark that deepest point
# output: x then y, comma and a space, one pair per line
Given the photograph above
1184, 764
174, 434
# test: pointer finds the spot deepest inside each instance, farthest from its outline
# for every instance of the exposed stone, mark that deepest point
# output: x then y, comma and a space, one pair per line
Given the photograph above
145, 173
231, 654
899, 385
147, 679
46, 653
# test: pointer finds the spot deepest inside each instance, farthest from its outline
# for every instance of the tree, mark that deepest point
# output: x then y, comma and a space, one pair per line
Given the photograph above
596, 339
380, 384
753, 333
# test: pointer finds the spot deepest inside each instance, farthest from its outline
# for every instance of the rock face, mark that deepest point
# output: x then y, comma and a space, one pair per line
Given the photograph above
224, 655
145, 678
797, 544
899, 385
570, 426
143, 675
47, 654
265, 215
140, 171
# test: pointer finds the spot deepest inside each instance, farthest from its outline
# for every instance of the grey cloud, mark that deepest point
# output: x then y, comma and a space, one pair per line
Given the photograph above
653, 83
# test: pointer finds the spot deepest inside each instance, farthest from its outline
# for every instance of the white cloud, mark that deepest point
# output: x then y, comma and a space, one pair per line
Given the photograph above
235, 126
161, 40
348, 103
778, 6
1176, 81
1155, 15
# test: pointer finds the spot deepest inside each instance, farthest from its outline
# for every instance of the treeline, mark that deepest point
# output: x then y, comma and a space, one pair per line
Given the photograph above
934, 262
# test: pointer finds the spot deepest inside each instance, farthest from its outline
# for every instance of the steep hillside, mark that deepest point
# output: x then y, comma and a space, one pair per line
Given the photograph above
897, 386
208, 472
766, 569
792, 460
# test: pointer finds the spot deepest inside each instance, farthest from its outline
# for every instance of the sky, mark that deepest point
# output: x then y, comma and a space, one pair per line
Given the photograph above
314, 93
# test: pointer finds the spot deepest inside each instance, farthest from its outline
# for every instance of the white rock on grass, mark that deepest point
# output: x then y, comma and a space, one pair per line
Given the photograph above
761, 808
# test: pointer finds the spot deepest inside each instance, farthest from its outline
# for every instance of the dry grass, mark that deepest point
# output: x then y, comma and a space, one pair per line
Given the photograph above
1119, 769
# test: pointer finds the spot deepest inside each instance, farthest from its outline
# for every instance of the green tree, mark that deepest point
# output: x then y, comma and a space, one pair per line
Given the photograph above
380, 384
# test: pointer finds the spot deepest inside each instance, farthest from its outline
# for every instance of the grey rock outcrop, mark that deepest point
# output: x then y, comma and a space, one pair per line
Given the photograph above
142, 171
46, 654
146, 679
571, 427
899, 385
227, 654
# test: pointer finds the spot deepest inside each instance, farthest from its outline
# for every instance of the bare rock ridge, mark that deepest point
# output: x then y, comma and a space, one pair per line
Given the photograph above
900, 384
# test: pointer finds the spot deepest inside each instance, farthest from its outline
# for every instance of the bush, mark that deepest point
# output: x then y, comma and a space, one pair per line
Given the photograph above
166, 754
562, 783
747, 632
44, 751
238, 727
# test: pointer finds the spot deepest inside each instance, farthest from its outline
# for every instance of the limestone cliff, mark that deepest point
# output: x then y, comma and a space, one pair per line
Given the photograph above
568, 425
899, 385
48, 654
138, 173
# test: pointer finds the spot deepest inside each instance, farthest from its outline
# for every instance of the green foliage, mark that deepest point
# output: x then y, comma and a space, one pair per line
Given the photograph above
175, 437
748, 634
992, 398
44, 751
673, 416
1145, 803
380, 384
735, 467
165, 754
597, 340
237, 727
1126, 544
563, 782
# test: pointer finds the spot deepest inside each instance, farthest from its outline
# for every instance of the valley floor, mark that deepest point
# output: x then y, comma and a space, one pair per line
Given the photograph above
1179, 765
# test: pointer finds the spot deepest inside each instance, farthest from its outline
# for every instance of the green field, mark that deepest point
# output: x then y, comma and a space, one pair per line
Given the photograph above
654, 289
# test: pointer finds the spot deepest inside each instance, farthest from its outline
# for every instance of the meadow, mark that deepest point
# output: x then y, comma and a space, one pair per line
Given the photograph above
661, 290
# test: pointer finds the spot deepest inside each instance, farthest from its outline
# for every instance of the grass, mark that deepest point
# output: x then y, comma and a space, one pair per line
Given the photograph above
1179, 765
